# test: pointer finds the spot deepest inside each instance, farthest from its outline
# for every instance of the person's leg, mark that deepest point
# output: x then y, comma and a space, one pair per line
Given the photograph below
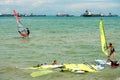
114, 56
108, 60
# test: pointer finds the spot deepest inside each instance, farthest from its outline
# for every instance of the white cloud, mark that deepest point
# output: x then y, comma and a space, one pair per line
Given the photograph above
49, 6
24, 2
41, 2
10, 2
100, 5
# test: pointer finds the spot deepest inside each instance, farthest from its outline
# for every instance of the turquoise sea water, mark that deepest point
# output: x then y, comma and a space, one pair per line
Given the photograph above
65, 39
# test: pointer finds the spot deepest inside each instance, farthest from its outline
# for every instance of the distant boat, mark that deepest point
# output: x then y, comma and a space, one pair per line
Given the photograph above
90, 14
31, 15
5, 15
63, 15
21, 15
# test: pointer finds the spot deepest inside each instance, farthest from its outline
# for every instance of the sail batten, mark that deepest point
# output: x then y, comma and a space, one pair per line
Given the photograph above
103, 38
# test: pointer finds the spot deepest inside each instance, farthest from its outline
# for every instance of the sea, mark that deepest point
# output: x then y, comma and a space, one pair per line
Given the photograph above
65, 39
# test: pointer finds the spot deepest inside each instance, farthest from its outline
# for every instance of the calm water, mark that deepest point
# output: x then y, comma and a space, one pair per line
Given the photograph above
66, 39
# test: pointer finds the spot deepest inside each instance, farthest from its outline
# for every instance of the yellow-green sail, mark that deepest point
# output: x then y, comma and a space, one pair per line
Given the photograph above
103, 38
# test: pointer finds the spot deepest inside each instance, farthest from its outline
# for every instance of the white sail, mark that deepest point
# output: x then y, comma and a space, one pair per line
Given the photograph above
21, 29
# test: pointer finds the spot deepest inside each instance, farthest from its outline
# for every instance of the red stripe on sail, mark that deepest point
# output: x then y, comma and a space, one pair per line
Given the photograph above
24, 34
16, 15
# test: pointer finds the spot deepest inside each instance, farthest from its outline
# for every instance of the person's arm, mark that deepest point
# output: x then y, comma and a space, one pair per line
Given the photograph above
107, 47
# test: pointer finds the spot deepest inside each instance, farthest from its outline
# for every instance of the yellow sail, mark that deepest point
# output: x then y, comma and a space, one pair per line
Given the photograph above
103, 38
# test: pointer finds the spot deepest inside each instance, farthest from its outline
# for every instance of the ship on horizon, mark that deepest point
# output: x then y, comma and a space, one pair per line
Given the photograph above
90, 14
22, 15
63, 15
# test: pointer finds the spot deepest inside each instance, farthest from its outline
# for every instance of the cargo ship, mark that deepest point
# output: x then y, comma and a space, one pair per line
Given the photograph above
90, 14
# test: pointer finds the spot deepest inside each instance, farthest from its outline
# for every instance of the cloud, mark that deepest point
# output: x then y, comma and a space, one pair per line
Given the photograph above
42, 2
22, 5
24, 2
100, 5
9, 2
50, 6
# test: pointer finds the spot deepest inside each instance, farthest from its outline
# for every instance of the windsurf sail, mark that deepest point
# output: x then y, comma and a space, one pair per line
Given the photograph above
41, 73
21, 28
103, 38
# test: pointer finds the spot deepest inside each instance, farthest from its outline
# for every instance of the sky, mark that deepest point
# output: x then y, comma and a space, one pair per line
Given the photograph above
52, 7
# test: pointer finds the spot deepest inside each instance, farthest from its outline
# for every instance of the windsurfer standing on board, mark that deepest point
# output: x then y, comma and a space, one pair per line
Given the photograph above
28, 31
25, 32
112, 51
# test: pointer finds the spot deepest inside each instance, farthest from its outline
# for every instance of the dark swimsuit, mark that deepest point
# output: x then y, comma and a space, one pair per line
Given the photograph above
112, 51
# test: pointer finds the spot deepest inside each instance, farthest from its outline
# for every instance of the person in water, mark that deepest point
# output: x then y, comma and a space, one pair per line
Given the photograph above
28, 31
112, 51
54, 62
